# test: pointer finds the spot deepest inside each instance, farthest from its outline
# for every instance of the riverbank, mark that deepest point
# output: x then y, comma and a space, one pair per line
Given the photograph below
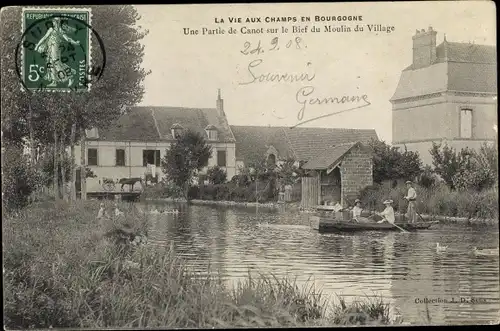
64, 268
197, 202
294, 206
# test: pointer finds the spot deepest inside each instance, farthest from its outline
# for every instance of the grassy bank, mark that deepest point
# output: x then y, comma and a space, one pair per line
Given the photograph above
438, 200
65, 269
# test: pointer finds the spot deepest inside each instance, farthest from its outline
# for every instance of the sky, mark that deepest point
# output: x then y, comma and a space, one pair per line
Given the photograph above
187, 70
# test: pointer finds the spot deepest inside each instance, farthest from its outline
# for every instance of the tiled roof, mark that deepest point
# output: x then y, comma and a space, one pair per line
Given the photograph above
463, 67
252, 142
136, 125
155, 123
301, 143
329, 157
466, 52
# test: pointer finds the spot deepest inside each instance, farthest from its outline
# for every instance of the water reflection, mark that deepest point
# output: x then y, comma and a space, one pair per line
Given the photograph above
402, 267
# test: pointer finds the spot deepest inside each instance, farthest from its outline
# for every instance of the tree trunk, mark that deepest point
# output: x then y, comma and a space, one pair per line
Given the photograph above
32, 137
56, 165
83, 177
72, 164
63, 166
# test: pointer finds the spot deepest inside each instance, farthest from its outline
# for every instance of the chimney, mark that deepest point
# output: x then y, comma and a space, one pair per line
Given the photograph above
220, 105
424, 48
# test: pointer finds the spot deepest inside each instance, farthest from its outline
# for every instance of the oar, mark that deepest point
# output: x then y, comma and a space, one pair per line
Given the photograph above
399, 227
390, 223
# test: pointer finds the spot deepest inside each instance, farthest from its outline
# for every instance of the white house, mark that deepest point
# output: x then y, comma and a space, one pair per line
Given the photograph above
135, 144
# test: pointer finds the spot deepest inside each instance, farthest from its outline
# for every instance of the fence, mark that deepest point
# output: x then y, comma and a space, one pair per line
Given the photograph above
310, 192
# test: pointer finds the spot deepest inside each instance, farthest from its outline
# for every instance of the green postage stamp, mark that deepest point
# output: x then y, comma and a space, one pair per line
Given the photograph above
55, 49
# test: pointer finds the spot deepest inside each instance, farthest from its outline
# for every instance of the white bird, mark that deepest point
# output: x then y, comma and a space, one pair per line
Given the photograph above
440, 248
486, 252
154, 212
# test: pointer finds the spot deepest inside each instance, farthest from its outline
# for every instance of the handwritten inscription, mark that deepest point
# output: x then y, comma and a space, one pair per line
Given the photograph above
304, 97
275, 77
296, 43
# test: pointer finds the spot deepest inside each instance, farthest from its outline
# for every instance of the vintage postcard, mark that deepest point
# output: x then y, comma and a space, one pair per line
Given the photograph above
250, 165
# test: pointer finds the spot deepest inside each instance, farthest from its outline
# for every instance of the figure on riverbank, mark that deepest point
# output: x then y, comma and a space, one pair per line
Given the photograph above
388, 213
411, 197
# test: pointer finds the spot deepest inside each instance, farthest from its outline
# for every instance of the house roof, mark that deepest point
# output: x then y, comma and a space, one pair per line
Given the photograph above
329, 157
466, 52
155, 123
461, 67
300, 143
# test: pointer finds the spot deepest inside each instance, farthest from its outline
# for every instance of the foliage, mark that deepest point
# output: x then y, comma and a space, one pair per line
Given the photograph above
437, 200
288, 172
85, 277
427, 178
447, 162
163, 190
216, 175
185, 157
389, 163
467, 169
19, 180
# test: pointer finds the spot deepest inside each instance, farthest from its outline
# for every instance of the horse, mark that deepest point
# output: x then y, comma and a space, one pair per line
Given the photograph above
131, 182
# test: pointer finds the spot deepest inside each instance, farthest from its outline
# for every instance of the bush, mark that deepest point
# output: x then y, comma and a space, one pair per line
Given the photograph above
19, 180
194, 192
438, 200
427, 178
390, 163
163, 190
216, 175
467, 169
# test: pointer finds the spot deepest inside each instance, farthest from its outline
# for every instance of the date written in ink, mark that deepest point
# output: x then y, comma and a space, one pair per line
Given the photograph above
275, 45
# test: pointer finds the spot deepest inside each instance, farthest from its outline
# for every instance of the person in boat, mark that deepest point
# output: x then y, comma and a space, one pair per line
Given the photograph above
388, 213
411, 197
356, 213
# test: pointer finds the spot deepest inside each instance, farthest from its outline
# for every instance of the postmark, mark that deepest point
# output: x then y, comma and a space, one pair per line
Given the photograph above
56, 50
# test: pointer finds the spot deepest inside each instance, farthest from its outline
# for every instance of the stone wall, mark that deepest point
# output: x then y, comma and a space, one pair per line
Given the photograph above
356, 173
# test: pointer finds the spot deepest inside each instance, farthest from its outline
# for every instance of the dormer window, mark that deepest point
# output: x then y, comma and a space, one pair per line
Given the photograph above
176, 130
92, 133
211, 132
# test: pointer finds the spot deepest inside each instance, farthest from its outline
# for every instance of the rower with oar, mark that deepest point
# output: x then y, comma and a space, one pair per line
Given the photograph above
388, 215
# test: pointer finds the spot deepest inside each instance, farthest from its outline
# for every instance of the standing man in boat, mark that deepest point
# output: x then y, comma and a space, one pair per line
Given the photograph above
411, 196
388, 213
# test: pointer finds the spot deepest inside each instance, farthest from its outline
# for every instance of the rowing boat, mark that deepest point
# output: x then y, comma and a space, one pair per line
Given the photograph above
328, 225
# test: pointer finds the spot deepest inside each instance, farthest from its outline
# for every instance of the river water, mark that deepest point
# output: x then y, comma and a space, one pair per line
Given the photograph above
404, 268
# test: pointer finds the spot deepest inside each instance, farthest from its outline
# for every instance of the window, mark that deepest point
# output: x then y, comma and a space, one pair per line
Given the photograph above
212, 134
92, 156
151, 156
120, 157
92, 133
466, 123
271, 160
221, 158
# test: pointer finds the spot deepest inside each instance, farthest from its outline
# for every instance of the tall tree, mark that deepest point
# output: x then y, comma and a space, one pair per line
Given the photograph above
389, 163
120, 85
186, 156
